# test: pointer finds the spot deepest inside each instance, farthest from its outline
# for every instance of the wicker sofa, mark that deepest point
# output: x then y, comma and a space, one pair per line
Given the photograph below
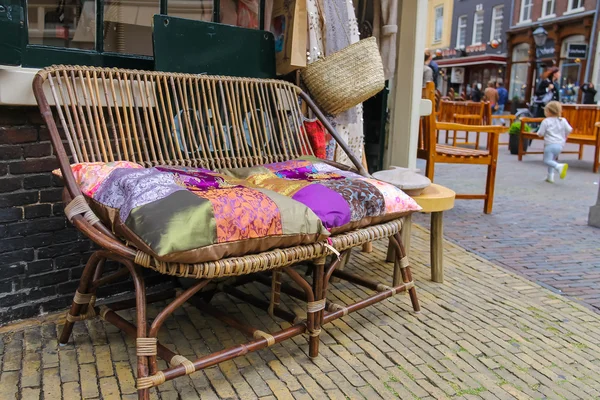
124, 133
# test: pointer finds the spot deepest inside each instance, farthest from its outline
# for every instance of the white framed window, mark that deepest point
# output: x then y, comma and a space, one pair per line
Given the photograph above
549, 8
439, 24
461, 32
575, 6
477, 28
526, 6
497, 19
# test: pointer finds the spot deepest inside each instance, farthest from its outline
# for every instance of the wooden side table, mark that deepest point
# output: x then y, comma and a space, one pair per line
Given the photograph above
435, 200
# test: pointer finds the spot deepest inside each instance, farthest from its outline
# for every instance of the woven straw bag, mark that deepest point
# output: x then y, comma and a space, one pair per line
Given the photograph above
346, 78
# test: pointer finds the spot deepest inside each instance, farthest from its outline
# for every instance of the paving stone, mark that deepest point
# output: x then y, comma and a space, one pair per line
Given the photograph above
89, 385
51, 380
485, 333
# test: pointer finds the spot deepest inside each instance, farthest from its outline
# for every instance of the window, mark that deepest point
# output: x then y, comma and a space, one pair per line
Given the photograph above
575, 5
526, 10
107, 32
497, 18
548, 8
461, 32
518, 74
439, 24
478, 28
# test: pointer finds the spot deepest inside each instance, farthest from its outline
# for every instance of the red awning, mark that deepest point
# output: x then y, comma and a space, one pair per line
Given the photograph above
472, 60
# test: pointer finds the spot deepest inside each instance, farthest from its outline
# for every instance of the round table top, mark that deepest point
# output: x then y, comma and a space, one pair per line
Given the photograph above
435, 198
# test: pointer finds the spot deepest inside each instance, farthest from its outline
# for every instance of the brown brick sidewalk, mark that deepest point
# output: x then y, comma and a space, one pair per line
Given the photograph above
484, 333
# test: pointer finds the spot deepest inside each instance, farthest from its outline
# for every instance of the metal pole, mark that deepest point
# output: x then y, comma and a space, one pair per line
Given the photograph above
594, 216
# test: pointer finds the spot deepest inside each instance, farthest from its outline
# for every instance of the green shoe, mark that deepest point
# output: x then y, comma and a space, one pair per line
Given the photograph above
563, 171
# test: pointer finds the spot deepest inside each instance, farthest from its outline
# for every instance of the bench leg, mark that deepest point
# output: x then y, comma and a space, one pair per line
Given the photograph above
581, 152
405, 233
402, 271
437, 247
82, 301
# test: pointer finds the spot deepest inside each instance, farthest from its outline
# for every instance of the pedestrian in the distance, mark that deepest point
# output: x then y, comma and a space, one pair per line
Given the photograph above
427, 71
476, 92
589, 93
491, 95
554, 129
502, 98
547, 90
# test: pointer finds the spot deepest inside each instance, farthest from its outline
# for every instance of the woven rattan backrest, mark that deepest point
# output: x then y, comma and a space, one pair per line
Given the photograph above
157, 118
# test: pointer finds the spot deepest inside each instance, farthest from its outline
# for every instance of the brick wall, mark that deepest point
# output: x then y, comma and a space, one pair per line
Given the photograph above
41, 254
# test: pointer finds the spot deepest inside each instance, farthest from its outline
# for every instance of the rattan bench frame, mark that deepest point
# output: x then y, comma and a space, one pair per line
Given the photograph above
85, 97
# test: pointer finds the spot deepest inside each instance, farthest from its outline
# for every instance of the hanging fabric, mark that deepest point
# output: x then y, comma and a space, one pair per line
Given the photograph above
385, 30
349, 125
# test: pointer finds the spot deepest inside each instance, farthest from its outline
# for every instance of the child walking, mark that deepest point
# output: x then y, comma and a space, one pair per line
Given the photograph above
554, 129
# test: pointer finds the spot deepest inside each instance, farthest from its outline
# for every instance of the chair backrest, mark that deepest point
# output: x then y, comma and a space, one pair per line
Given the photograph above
427, 131
480, 112
157, 118
582, 118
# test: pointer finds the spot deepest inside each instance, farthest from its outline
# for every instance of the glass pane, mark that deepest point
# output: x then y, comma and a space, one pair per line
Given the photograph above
128, 26
518, 76
199, 10
244, 13
520, 52
569, 85
68, 24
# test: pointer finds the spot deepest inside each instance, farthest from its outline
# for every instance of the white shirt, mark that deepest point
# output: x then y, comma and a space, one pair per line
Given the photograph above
554, 130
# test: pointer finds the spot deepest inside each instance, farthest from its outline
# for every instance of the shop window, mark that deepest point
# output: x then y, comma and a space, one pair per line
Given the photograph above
549, 8
526, 6
111, 32
478, 28
461, 32
497, 18
439, 24
518, 74
569, 81
575, 5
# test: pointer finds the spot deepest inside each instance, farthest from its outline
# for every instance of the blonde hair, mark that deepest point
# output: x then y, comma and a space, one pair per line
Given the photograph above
553, 109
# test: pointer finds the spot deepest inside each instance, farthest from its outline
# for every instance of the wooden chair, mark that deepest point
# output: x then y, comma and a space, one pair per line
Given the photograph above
466, 113
434, 152
583, 119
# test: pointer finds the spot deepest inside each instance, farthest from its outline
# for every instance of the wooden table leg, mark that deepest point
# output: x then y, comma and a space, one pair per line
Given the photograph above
405, 233
437, 247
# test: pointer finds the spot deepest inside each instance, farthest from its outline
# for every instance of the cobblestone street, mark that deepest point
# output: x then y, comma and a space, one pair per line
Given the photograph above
536, 229
485, 333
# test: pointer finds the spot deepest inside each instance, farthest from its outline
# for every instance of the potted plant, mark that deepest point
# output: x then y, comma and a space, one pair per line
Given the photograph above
514, 135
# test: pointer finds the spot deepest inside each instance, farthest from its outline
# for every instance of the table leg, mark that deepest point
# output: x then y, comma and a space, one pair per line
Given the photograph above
437, 247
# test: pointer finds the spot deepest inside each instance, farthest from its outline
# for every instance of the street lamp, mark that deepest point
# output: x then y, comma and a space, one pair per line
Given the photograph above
540, 36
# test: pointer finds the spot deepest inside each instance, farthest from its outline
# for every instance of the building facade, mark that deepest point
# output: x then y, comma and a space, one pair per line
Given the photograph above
477, 51
439, 21
569, 27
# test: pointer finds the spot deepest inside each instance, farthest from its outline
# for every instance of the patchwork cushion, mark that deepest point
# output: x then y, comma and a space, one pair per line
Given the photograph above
343, 200
192, 215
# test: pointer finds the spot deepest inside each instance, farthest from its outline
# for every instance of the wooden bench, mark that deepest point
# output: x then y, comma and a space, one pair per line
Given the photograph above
187, 122
583, 119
